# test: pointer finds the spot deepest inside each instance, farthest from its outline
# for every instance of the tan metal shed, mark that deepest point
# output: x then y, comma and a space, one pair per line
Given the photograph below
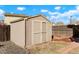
30, 31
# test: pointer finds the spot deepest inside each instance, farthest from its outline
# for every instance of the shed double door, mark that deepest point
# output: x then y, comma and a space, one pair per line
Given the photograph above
39, 32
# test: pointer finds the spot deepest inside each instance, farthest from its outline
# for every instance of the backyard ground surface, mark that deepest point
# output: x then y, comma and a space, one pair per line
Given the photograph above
53, 47
10, 48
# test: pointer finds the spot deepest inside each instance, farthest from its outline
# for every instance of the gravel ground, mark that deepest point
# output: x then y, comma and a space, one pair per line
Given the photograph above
10, 48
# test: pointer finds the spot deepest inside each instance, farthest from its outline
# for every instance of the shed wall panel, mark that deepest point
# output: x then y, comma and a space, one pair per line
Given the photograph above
18, 33
44, 33
36, 34
28, 33
49, 31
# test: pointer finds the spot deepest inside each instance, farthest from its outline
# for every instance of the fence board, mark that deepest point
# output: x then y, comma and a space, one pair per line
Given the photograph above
5, 33
62, 31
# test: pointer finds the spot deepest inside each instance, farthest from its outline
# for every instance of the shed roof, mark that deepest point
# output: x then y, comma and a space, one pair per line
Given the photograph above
16, 15
30, 18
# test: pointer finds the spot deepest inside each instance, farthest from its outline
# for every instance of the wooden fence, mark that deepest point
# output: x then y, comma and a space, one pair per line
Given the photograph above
4, 32
60, 32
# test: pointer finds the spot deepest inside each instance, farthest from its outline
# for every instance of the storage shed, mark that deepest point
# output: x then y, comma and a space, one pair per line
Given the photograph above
30, 31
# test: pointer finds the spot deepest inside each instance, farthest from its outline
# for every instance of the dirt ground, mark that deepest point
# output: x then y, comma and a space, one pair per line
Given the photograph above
53, 47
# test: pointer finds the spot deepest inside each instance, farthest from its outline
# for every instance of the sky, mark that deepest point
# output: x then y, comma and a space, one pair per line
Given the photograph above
54, 13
